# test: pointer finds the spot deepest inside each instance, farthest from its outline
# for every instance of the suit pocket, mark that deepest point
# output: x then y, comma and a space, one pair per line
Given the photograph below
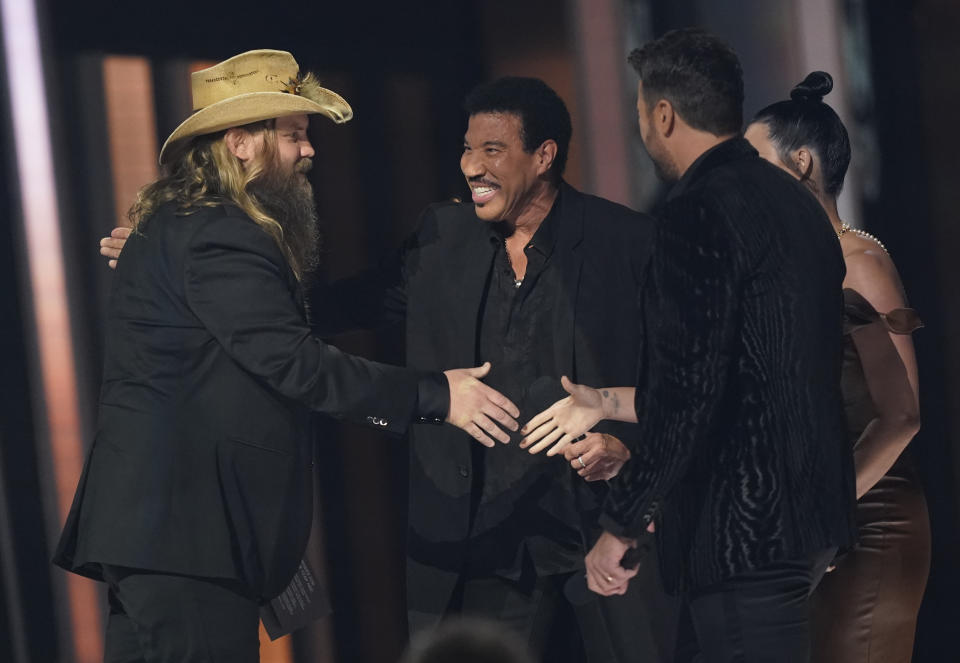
259, 446
263, 494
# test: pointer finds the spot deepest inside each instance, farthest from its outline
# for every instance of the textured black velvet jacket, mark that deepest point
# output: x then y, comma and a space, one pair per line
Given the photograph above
202, 460
742, 456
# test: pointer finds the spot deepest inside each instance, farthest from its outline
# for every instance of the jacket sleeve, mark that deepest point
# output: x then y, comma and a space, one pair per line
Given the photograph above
691, 306
372, 299
237, 284
376, 297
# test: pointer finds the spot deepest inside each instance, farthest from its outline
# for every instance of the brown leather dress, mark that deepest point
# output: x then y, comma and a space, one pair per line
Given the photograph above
866, 610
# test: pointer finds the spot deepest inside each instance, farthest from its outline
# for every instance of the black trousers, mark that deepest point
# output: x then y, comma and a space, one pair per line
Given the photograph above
561, 620
638, 627
159, 618
758, 617
533, 608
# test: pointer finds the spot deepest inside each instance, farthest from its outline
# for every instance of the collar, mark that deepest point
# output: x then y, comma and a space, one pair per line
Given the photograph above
545, 239
725, 152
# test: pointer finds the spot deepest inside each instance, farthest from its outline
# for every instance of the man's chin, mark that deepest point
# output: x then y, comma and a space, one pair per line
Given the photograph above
302, 182
486, 212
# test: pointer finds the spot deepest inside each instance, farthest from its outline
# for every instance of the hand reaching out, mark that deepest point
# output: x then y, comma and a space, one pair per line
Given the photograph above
565, 420
477, 408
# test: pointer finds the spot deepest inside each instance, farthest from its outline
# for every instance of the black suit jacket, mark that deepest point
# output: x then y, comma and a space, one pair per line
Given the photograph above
437, 286
742, 445
202, 459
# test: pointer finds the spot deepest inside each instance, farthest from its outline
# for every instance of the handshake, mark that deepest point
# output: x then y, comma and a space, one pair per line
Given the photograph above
562, 428
487, 415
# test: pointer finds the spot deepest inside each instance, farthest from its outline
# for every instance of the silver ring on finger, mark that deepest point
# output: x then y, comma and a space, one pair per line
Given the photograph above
582, 464
609, 578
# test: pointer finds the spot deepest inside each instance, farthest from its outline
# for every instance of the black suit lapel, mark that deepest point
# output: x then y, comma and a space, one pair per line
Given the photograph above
469, 274
570, 262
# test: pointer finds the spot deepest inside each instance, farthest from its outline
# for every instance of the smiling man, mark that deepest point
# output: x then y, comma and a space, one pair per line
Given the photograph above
518, 277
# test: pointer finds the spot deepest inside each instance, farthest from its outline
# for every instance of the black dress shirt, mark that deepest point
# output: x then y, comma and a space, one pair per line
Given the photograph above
522, 502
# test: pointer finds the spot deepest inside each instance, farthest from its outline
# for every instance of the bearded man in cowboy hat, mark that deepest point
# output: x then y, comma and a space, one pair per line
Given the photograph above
194, 505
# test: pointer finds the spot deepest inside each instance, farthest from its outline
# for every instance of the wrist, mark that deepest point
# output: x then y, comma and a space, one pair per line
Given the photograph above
622, 540
433, 398
616, 447
608, 403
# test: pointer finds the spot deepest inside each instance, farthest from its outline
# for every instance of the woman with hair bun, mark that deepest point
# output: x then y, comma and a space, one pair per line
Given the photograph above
866, 609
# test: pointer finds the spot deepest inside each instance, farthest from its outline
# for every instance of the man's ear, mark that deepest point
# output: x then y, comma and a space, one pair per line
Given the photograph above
546, 154
664, 118
240, 142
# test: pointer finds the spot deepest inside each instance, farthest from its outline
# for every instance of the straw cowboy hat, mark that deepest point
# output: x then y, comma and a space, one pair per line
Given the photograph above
253, 86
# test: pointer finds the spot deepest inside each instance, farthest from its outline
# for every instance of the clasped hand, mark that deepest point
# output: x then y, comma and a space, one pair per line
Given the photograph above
597, 457
605, 574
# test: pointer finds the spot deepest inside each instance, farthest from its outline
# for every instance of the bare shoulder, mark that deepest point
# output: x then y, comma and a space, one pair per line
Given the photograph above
872, 273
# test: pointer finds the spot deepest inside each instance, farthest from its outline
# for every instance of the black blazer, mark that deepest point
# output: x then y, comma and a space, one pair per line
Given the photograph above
741, 446
202, 459
436, 285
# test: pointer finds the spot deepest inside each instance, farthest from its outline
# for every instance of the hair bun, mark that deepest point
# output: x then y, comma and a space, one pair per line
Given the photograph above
813, 88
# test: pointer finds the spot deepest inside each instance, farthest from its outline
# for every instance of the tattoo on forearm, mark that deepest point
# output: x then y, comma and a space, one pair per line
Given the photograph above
614, 399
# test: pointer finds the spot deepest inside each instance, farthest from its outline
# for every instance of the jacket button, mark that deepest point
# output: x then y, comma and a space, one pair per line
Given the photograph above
464, 472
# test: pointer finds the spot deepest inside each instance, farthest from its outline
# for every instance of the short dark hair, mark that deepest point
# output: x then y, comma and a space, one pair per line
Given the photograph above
698, 74
543, 115
805, 121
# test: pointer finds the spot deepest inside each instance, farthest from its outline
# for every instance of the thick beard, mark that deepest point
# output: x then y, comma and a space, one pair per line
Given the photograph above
289, 200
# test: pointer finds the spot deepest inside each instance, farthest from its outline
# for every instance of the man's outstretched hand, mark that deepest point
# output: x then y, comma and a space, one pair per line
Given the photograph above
477, 408
474, 407
111, 246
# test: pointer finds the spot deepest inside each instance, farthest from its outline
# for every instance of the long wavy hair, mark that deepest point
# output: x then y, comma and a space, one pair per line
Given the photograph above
206, 174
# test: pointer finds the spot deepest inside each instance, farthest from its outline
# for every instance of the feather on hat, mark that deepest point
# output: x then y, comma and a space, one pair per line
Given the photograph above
253, 86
